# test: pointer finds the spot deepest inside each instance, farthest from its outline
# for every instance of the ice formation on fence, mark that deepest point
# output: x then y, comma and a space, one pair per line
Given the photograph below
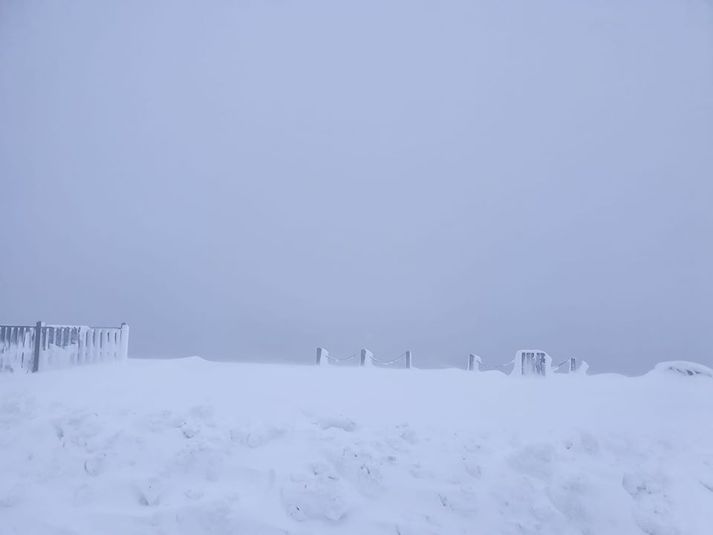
45, 347
17, 345
527, 362
532, 362
364, 358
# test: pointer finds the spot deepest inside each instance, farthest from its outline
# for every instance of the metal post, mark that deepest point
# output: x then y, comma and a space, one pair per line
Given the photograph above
94, 346
88, 345
366, 357
38, 342
321, 356
80, 345
473, 362
408, 359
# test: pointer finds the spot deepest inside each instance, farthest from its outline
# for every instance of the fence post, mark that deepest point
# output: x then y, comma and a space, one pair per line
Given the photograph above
473, 361
366, 356
408, 359
572, 364
38, 345
321, 354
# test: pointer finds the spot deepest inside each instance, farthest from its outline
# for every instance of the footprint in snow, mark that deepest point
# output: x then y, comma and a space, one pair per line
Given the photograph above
256, 435
652, 504
336, 422
318, 495
149, 492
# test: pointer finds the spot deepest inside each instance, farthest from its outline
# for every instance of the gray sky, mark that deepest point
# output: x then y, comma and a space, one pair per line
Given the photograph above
251, 179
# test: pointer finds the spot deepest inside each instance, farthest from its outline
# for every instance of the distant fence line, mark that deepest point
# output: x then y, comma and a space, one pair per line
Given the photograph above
526, 362
43, 347
364, 357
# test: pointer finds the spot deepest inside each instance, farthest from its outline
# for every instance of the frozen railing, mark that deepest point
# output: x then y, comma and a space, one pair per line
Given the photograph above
532, 362
364, 357
404, 360
527, 362
43, 347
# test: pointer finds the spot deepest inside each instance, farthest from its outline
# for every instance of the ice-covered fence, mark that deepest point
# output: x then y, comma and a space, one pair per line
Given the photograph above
44, 347
325, 359
529, 362
363, 358
17, 347
400, 361
566, 366
572, 365
532, 362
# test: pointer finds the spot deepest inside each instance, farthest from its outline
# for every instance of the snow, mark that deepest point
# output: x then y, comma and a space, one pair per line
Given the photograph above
684, 368
190, 447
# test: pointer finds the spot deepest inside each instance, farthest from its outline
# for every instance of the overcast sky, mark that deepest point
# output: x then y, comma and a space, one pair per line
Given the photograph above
251, 179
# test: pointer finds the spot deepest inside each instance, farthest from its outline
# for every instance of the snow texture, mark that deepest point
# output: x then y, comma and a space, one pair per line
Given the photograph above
190, 447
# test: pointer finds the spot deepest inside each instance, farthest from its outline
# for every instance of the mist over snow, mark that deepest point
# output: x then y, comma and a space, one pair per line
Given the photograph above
251, 179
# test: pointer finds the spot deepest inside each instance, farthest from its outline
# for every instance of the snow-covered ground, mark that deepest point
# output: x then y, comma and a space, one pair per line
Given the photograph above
190, 447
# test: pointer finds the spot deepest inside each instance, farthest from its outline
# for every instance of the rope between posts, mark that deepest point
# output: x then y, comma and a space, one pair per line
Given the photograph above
388, 362
341, 359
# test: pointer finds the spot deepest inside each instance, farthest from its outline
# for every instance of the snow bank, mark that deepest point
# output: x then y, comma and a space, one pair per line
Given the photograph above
683, 367
189, 447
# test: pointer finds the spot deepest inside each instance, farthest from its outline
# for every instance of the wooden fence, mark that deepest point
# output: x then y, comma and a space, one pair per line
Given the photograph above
44, 347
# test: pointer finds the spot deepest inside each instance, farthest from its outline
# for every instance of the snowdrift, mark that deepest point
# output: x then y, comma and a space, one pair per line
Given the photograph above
190, 447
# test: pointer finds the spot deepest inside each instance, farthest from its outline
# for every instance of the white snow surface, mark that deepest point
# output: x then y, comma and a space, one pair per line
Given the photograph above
191, 447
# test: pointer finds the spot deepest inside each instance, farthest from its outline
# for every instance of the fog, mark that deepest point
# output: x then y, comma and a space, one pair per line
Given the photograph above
248, 180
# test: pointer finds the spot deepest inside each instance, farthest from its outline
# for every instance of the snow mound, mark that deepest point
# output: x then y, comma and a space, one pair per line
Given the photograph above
682, 367
193, 447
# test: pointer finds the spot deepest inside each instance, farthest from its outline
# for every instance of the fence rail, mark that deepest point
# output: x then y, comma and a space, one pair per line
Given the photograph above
527, 362
364, 357
43, 347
